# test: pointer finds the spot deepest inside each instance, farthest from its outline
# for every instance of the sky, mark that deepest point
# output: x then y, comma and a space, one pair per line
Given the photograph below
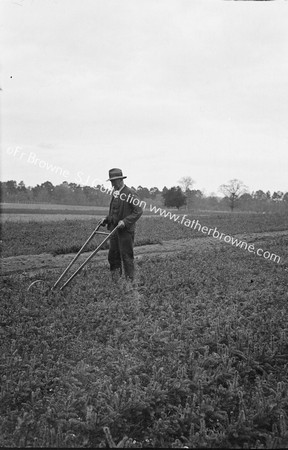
158, 88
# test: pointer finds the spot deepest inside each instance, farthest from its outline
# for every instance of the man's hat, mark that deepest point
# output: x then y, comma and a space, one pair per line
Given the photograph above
115, 174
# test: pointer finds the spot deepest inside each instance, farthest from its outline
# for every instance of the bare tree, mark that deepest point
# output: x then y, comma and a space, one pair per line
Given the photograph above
233, 190
186, 184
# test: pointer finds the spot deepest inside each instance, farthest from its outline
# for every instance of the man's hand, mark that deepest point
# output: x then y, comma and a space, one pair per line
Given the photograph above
104, 222
121, 224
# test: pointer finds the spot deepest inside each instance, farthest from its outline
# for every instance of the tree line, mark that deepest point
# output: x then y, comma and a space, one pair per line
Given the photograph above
64, 193
236, 196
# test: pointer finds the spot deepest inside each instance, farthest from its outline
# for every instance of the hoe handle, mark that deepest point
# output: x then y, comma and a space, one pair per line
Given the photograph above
78, 254
89, 257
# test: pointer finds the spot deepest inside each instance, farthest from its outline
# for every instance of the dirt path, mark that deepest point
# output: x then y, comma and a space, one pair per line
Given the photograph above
32, 264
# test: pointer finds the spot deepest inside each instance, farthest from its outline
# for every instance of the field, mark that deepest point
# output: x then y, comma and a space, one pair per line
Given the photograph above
46, 212
43, 212
68, 236
197, 357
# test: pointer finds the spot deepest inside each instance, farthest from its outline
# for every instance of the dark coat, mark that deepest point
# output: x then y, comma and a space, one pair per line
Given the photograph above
128, 212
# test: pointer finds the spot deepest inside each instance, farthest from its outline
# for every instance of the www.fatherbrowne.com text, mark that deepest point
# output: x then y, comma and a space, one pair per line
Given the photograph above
196, 225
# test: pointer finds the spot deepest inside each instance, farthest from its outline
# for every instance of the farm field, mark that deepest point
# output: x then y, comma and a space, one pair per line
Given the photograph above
40, 217
46, 212
198, 357
43, 212
47, 206
60, 237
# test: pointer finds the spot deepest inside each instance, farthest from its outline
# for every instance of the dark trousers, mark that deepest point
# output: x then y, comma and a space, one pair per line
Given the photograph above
121, 252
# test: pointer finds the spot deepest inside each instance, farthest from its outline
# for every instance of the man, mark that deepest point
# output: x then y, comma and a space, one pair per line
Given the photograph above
124, 211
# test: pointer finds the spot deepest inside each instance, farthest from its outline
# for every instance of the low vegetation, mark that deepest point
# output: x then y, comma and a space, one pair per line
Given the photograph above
199, 360
68, 236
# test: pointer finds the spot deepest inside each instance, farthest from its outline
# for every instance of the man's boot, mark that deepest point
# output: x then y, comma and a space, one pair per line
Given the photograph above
131, 287
116, 275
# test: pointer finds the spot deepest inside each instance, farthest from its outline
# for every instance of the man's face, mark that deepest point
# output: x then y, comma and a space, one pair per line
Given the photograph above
117, 184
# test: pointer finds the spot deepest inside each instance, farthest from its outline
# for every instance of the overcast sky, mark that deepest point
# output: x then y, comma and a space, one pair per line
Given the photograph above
159, 88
